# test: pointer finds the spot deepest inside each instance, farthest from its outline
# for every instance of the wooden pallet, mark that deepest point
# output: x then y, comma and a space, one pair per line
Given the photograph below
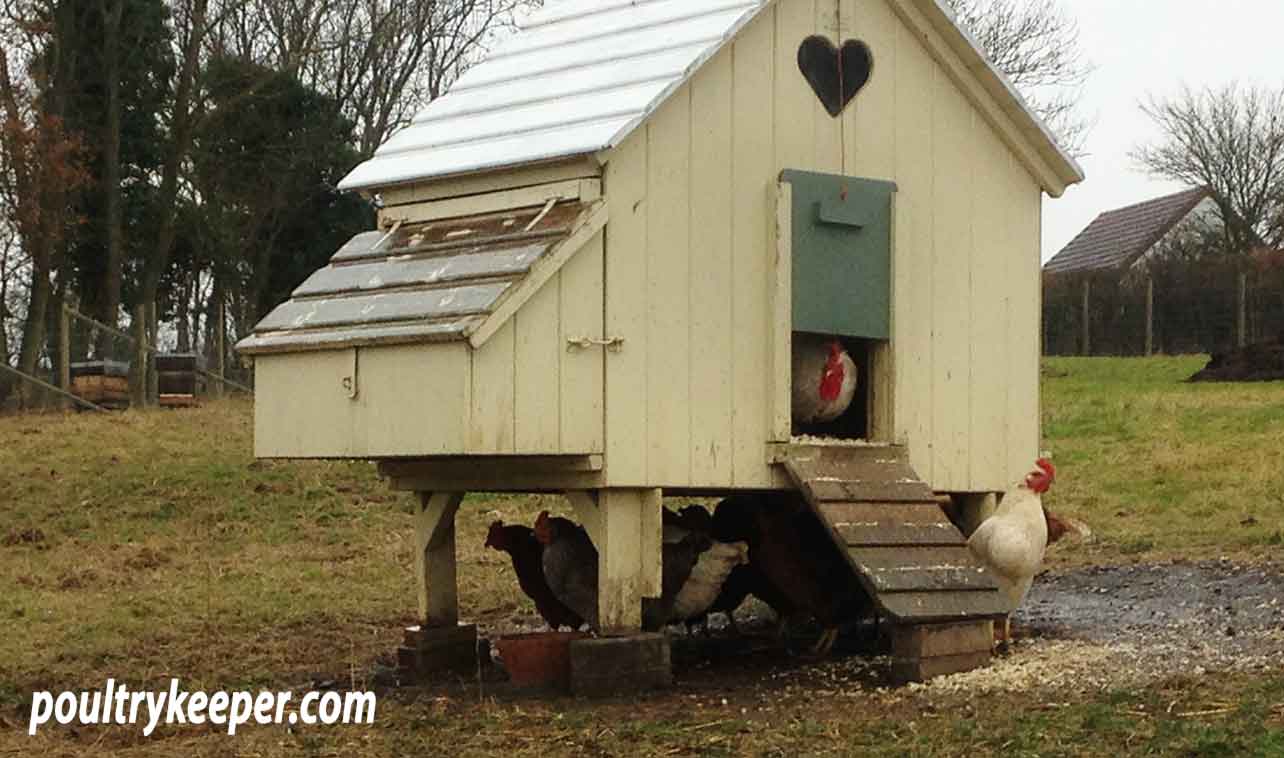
905, 553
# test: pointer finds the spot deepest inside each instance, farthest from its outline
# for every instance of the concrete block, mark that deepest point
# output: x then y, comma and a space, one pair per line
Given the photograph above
430, 650
610, 666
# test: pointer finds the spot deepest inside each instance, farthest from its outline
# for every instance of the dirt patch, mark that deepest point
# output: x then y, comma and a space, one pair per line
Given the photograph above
1084, 630
1099, 628
1261, 362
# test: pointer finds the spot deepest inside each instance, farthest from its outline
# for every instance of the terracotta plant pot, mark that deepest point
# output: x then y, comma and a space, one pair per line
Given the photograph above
540, 660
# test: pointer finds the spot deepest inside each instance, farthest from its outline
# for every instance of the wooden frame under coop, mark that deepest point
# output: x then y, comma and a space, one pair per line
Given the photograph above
696, 247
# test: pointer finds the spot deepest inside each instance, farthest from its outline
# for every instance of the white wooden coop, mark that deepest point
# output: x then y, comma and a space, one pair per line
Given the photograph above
593, 253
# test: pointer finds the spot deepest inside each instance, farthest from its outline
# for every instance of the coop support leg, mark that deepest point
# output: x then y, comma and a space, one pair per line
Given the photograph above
439, 642
628, 549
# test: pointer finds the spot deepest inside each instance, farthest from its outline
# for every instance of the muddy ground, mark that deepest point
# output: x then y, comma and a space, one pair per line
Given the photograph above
1082, 630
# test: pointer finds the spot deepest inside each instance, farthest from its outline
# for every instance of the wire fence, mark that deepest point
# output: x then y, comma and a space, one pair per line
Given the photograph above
1180, 307
92, 365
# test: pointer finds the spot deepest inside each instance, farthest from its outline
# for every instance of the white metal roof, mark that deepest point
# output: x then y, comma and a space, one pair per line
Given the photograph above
582, 74
577, 78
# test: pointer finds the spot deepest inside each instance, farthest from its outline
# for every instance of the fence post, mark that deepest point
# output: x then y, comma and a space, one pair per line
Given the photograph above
220, 361
1241, 321
1150, 316
153, 338
1087, 316
138, 366
64, 354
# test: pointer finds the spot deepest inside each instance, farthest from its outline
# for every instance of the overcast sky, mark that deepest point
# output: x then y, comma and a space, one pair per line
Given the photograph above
1154, 46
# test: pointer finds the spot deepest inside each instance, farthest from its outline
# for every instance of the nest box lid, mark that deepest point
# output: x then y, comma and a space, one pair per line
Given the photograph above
437, 281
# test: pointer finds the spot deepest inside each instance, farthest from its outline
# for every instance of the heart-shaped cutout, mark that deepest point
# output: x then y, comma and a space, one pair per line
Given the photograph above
835, 74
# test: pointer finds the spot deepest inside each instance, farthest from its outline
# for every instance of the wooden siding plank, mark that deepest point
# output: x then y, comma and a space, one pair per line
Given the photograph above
709, 289
780, 409
537, 372
827, 138
668, 420
914, 236
493, 394
626, 312
1024, 321
581, 282
796, 107
869, 135
952, 125
753, 139
489, 181
568, 189
988, 342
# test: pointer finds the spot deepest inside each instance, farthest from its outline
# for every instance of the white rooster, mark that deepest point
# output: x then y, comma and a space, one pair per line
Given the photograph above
1011, 543
824, 379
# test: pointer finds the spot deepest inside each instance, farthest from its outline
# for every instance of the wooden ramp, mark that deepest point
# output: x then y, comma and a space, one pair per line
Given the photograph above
904, 551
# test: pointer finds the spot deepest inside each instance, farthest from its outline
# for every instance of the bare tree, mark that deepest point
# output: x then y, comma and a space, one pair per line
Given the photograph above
381, 60
41, 164
1037, 46
1230, 140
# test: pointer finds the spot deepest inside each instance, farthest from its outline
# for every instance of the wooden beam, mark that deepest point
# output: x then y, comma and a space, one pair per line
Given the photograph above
590, 223
478, 183
1241, 320
1087, 316
1150, 315
64, 353
435, 558
138, 366
781, 204
505, 200
628, 557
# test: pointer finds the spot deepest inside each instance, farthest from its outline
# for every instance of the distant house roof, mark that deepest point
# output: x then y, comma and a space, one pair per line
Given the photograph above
581, 75
1116, 239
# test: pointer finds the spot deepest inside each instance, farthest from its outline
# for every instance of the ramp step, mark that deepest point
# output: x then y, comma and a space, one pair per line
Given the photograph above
901, 547
881, 533
828, 490
943, 606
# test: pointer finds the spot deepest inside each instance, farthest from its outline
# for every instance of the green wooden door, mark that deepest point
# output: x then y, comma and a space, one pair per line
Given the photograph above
842, 254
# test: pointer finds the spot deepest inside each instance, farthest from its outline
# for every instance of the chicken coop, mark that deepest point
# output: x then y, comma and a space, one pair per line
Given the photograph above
596, 252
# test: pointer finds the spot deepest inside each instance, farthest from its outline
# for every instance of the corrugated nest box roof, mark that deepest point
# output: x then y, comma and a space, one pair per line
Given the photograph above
581, 75
1116, 239
437, 281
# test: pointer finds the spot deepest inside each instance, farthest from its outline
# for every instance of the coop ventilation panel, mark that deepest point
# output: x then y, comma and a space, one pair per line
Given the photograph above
438, 281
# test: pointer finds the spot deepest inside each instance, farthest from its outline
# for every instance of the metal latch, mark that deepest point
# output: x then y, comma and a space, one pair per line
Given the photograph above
349, 380
614, 344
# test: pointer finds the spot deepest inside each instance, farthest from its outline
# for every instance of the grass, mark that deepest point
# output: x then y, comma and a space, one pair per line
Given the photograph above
146, 545
1162, 469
